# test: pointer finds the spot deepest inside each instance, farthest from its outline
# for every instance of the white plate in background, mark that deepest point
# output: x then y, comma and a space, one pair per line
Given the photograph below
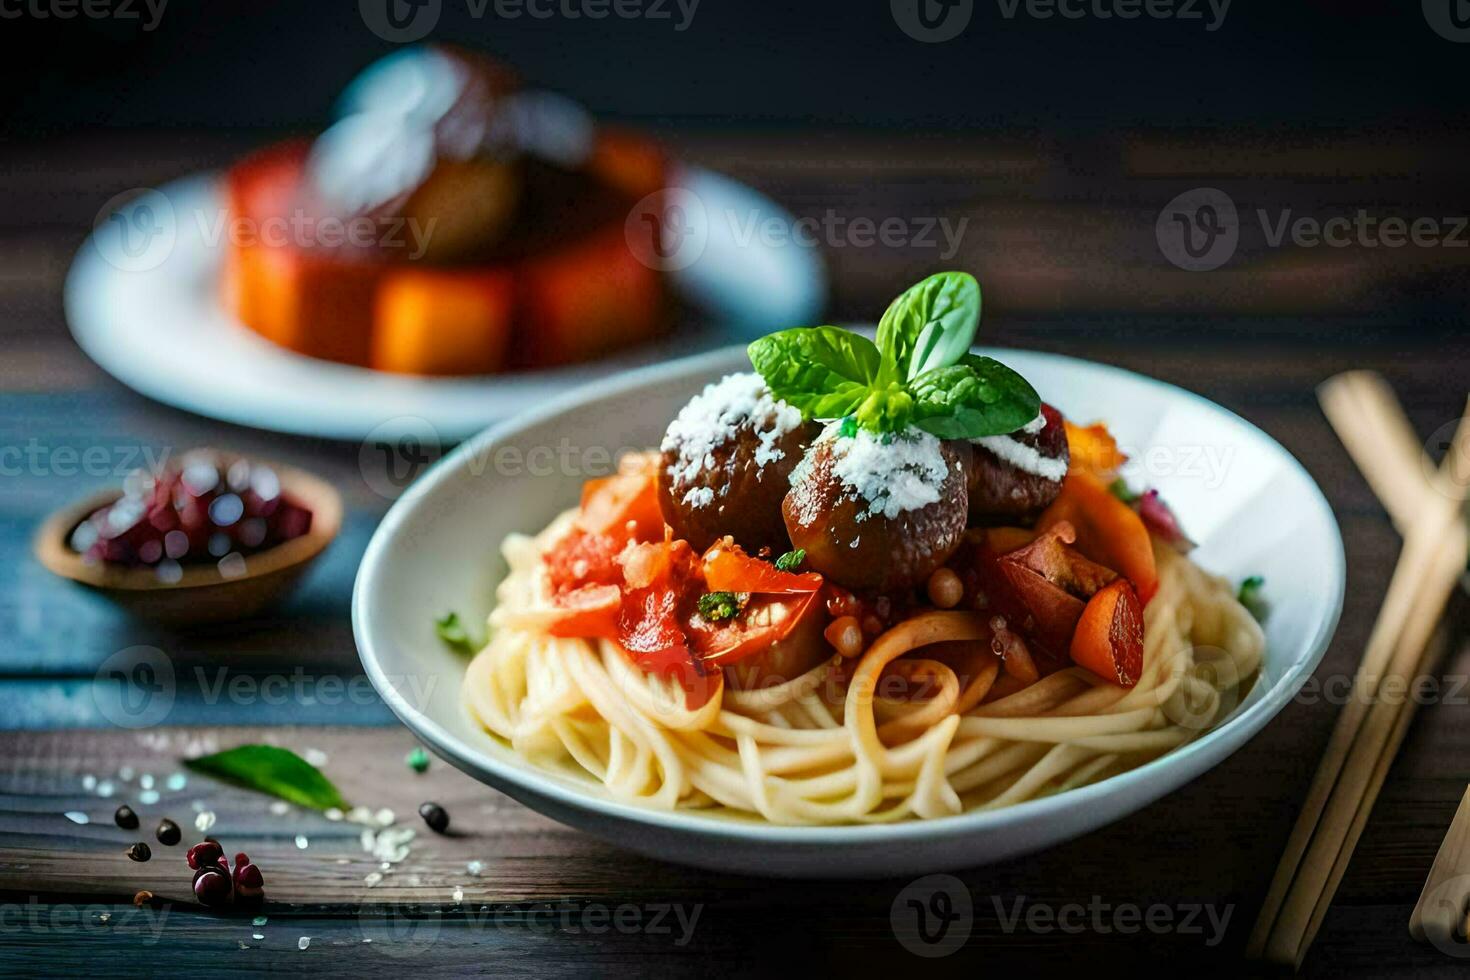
141, 298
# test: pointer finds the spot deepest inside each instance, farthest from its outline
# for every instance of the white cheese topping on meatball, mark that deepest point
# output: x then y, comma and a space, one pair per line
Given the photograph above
1023, 457
891, 474
713, 417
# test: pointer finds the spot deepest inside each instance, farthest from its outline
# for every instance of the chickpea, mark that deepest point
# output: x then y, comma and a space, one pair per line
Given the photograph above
945, 588
846, 636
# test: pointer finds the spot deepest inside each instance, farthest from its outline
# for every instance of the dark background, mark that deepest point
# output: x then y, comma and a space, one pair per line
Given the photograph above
272, 64
1059, 141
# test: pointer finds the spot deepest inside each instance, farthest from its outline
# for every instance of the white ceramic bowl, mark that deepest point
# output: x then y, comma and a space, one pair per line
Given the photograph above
1249, 504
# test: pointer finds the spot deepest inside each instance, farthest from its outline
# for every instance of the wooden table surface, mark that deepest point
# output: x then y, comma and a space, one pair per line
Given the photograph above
1062, 236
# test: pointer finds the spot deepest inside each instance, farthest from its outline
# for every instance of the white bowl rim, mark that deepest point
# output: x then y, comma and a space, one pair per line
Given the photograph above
1236, 730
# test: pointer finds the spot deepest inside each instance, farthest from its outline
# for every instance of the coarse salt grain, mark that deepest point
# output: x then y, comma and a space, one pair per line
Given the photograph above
713, 417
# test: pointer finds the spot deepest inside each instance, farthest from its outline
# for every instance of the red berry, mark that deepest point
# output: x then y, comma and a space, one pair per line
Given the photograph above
240, 859
204, 854
249, 883
212, 887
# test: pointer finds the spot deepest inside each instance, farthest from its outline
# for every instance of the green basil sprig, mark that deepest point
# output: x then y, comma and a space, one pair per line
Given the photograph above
920, 372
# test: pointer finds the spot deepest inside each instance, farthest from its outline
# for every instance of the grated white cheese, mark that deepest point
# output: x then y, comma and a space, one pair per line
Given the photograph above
714, 417
1035, 425
1024, 457
905, 473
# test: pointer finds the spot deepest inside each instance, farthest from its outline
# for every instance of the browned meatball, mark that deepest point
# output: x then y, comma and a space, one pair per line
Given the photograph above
877, 517
1015, 477
727, 462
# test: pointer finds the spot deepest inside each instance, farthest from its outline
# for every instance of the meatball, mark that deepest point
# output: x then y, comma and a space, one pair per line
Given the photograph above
727, 462
1015, 477
878, 516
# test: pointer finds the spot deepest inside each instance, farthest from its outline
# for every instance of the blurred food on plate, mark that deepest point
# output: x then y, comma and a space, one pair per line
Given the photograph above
449, 222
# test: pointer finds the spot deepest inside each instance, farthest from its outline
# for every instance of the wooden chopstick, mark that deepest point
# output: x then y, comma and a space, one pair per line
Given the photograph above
1432, 655
1388, 716
1438, 917
1371, 423
1333, 843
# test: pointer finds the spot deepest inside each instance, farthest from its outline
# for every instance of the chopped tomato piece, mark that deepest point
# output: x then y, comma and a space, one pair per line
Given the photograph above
1108, 531
727, 568
1052, 557
1035, 608
590, 611
625, 504
581, 559
765, 621
1094, 450
1109, 637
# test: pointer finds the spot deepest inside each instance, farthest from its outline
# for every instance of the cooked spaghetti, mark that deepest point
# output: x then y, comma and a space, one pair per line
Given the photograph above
964, 623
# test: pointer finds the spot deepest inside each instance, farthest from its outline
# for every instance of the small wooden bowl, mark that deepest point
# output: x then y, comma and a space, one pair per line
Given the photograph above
202, 594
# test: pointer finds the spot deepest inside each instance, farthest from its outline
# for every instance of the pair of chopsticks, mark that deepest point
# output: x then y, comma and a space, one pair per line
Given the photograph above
1426, 505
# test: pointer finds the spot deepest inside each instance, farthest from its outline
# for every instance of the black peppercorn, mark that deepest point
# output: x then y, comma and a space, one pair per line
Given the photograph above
435, 816
126, 818
140, 852
168, 832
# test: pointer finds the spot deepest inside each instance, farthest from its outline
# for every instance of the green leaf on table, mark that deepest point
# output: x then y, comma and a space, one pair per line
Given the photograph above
456, 636
979, 396
272, 770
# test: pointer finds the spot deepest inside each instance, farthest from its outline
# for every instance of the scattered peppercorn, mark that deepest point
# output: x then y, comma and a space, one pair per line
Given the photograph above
126, 818
435, 816
417, 760
168, 832
249, 883
140, 852
212, 887
204, 854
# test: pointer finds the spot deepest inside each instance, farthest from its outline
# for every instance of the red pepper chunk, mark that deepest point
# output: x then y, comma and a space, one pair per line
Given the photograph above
727, 568
1109, 636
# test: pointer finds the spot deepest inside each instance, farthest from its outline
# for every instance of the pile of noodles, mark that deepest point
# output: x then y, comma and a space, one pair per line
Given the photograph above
834, 745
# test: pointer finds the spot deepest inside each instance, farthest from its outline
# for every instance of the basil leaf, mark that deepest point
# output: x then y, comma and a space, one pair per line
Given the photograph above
791, 560
276, 771
977, 397
455, 636
825, 372
930, 325
886, 409
1250, 596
